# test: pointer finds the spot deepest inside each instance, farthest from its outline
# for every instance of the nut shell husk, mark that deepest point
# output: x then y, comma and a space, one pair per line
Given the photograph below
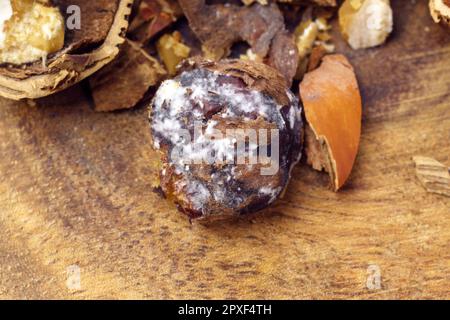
85, 52
333, 110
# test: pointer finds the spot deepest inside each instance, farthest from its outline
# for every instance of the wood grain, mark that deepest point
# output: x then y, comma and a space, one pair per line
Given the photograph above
75, 189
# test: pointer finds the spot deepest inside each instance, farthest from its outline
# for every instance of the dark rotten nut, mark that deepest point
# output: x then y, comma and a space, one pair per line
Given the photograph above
85, 51
198, 121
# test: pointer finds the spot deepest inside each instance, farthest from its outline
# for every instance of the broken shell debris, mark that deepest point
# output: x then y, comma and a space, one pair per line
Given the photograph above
228, 64
440, 11
333, 111
172, 51
133, 69
365, 23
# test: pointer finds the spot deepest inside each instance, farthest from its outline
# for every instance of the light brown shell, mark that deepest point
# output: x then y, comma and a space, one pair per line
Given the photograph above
333, 110
67, 69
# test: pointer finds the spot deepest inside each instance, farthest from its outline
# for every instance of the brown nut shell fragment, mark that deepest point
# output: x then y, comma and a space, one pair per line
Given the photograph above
316, 57
219, 26
440, 11
152, 16
125, 81
86, 50
333, 110
262, 26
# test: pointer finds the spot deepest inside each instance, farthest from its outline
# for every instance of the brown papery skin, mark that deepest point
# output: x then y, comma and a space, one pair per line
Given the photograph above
333, 109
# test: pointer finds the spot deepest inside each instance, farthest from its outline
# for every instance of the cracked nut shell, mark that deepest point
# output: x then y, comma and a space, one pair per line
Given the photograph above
333, 108
85, 51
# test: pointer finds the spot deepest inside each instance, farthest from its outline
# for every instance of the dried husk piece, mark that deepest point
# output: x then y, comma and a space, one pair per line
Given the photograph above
333, 107
125, 81
316, 57
85, 51
219, 26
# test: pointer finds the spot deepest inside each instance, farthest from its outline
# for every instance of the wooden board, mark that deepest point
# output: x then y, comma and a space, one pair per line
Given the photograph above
75, 189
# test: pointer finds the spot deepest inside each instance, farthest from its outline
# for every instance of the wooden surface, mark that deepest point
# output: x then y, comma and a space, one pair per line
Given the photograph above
75, 189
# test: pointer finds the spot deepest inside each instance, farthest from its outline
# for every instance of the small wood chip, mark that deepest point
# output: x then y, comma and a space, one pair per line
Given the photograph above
434, 176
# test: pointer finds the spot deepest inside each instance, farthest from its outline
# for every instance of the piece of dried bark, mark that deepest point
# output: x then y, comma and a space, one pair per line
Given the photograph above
124, 82
316, 57
152, 17
219, 26
433, 175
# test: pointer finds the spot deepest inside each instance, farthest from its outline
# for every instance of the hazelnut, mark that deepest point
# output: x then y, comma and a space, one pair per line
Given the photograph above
228, 134
365, 23
332, 104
